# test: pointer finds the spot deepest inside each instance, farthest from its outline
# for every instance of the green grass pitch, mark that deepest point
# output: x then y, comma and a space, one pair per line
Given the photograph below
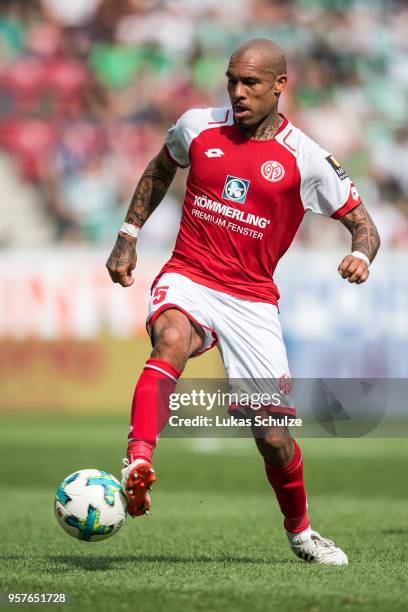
214, 540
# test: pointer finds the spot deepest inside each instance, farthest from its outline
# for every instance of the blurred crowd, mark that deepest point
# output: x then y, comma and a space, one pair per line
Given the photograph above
89, 88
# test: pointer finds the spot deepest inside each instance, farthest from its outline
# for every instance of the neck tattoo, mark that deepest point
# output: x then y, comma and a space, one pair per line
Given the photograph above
268, 131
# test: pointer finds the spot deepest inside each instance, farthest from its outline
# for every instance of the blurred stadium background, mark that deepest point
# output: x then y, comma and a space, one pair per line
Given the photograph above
87, 92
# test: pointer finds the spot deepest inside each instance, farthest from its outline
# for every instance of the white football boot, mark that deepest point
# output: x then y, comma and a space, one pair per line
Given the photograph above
311, 546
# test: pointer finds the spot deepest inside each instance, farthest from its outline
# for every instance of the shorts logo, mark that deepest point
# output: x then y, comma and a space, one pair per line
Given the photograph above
285, 384
235, 189
337, 167
272, 171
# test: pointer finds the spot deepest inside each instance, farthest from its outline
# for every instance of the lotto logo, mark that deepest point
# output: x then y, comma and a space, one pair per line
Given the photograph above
214, 153
272, 171
235, 189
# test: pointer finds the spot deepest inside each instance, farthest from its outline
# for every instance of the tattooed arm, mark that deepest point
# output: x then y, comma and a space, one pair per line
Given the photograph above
150, 191
365, 239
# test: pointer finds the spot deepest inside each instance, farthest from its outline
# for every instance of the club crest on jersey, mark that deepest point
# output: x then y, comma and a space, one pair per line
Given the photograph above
337, 167
235, 189
272, 171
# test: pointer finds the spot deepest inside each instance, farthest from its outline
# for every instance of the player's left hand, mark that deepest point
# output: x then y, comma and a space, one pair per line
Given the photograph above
354, 269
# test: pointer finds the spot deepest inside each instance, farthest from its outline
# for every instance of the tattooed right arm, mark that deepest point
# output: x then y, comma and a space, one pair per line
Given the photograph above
151, 188
149, 192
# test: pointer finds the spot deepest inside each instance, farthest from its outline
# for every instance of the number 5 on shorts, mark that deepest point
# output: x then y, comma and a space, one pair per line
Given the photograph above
159, 294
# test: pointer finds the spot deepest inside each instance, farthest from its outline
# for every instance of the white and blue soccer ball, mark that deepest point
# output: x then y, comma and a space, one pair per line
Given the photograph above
90, 505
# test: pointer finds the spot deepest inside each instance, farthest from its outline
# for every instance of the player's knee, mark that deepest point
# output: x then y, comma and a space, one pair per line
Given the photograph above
275, 448
171, 344
172, 337
276, 443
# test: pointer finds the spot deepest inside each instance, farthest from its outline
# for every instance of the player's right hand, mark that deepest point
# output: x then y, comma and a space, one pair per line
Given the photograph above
354, 269
122, 260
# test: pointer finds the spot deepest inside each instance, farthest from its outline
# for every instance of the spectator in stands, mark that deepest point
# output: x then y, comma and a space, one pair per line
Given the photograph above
87, 90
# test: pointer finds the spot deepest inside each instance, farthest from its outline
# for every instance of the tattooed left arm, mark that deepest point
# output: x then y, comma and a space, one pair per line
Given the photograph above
365, 239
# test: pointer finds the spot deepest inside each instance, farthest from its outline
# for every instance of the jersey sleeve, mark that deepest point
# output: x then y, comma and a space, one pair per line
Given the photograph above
325, 187
178, 141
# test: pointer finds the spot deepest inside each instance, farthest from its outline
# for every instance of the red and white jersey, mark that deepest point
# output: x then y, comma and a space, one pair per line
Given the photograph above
246, 198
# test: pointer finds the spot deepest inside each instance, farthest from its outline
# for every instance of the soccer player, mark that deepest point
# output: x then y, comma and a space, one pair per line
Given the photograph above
252, 177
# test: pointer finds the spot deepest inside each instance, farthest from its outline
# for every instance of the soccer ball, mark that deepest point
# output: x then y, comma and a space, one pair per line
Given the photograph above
90, 505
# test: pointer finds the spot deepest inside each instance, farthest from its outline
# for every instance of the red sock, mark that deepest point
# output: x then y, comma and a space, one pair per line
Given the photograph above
150, 407
287, 482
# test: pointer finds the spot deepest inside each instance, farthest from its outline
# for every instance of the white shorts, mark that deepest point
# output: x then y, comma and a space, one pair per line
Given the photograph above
248, 334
